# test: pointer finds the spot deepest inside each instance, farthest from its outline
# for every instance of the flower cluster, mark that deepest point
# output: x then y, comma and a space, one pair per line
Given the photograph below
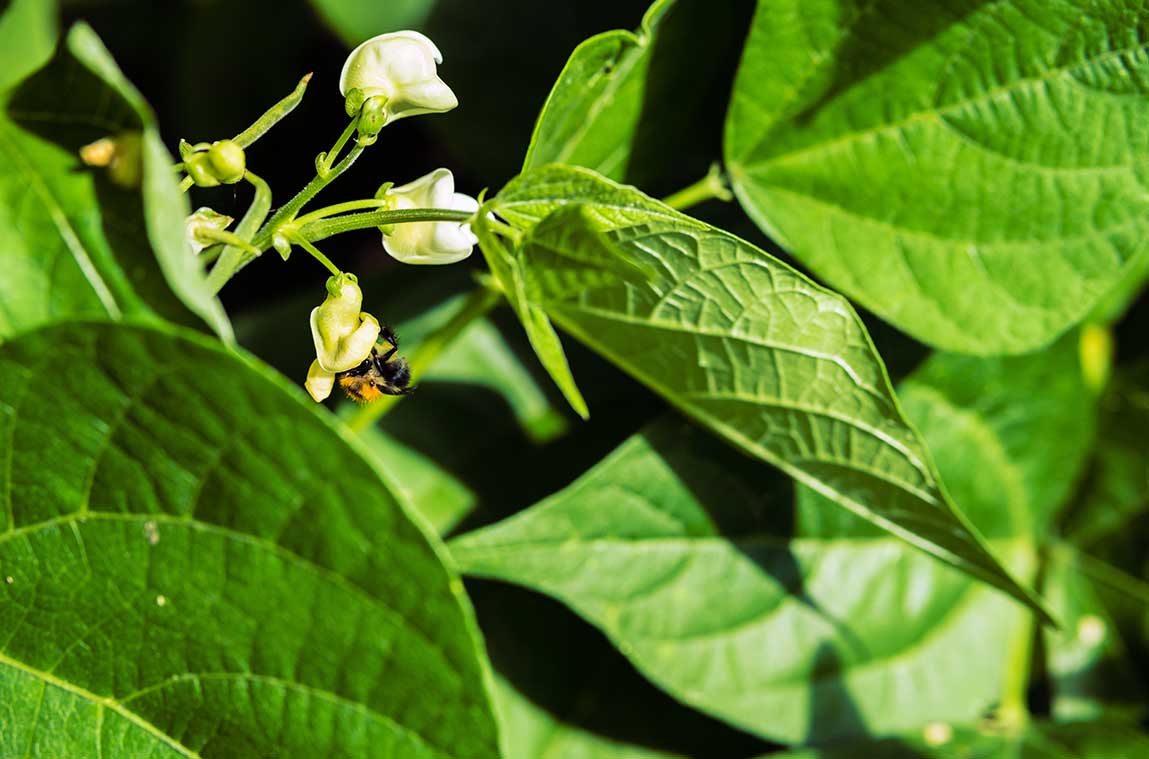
389, 77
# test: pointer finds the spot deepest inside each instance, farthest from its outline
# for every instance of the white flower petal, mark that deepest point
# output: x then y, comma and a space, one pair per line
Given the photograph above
319, 382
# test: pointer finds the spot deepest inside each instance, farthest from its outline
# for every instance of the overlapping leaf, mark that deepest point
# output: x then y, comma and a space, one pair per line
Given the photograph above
75, 243
682, 553
195, 564
972, 171
778, 366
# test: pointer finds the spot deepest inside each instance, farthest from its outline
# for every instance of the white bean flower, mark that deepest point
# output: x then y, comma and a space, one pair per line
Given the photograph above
343, 334
401, 68
429, 242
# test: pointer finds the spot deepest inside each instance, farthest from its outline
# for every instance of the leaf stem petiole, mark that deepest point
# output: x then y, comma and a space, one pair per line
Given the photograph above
710, 187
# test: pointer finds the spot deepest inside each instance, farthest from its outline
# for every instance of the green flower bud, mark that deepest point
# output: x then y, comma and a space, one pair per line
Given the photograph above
228, 161
222, 162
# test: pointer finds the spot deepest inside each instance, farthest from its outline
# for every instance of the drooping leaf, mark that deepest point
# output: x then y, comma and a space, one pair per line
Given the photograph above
76, 243
779, 367
680, 551
507, 268
1083, 740
970, 171
196, 564
645, 107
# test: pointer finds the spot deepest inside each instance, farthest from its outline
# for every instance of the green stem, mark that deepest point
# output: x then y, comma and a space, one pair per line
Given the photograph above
316, 254
1013, 711
186, 183
303, 197
711, 186
338, 208
324, 161
318, 230
479, 302
235, 258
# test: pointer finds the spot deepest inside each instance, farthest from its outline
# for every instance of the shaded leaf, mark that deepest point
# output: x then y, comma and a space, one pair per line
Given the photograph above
681, 552
971, 171
197, 564
77, 244
779, 367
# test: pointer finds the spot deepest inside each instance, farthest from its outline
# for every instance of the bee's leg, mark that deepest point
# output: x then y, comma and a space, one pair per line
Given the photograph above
391, 338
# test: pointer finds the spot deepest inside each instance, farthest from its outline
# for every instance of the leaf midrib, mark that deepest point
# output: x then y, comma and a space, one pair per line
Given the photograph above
99, 701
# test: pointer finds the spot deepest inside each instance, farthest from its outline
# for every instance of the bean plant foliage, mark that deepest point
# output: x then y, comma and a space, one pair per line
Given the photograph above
665, 419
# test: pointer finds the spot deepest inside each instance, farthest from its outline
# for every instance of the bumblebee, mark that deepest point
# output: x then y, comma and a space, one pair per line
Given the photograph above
384, 372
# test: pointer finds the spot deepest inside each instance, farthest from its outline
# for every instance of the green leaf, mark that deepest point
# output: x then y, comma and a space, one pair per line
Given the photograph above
592, 115
27, 39
778, 366
969, 171
679, 550
1086, 740
356, 21
76, 244
626, 102
533, 732
196, 564
507, 269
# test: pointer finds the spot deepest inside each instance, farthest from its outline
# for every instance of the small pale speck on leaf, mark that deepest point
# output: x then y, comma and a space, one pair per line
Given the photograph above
9, 579
152, 532
937, 734
161, 601
1090, 630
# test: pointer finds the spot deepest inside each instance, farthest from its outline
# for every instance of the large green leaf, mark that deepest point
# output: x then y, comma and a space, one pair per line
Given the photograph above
75, 243
972, 171
778, 366
626, 102
1041, 741
196, 564
678, 549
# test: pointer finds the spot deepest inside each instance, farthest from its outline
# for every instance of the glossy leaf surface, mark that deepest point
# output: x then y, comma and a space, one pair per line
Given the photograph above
780, 367
971, 171
680, 551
